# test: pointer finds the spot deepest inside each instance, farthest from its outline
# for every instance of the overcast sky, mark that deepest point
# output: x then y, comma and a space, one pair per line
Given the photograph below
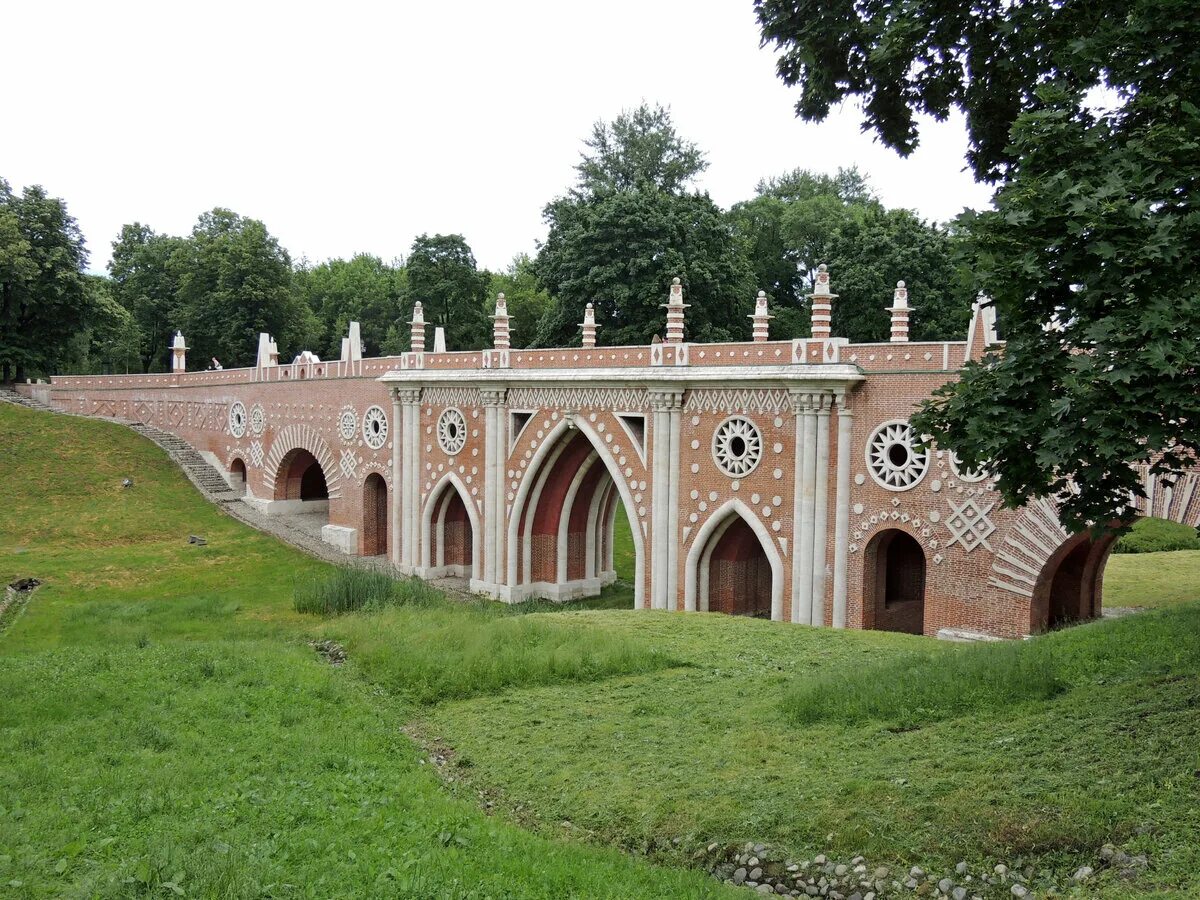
353, 127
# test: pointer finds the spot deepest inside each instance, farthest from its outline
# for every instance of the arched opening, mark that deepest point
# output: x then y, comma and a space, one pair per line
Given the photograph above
561, 533
1070, 586
450, 535
894, 583
738, 573
733, 566
301, 492
237, 476
375, 516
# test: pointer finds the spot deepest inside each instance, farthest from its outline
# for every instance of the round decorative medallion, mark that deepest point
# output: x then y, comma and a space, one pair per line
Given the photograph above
375, 427
969, 476
892, 457
452, 431
237, 418
737, 447
348, 425
258, 419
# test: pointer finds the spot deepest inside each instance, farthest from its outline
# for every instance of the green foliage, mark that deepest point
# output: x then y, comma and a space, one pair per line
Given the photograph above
145, 282
801, 220
110, 342
443, 276
44, 300
363, 289
916, 689
234, 281
1083, 112
526, 299
1150, 535
639, 150
627, 229
1152, 579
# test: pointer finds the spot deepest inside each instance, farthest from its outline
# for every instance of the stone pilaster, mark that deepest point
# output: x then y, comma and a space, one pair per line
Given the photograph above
495, 568
820, 510
841, 514
666, 406
408, 476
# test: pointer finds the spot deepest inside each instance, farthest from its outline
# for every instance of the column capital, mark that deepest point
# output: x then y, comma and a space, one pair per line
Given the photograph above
403, 394
802, 401
665, 399
493, 395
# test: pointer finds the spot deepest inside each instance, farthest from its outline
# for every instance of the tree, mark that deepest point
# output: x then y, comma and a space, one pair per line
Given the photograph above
442, 275
803, 219
43, 298
234, 281
110, 342
363, 289
145, 282
627, 228
1082, 114
527, 301
640, 150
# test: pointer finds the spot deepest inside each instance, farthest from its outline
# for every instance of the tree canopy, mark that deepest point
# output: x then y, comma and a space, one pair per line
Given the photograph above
627, 228
362, 289
803, 219
1083, 114
442, 275
234, 281
44, 300
145, 282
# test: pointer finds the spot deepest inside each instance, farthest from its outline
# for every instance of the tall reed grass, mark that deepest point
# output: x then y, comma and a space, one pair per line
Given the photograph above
350, 589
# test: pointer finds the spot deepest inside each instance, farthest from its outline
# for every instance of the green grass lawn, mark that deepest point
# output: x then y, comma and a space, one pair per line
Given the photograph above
166, 731
165, 728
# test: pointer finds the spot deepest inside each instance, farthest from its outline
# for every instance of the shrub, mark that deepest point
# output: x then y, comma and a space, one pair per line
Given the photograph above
351, 588
1156, 535
919, 688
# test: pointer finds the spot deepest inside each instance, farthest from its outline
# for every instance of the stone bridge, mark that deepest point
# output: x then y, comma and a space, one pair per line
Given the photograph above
767, 478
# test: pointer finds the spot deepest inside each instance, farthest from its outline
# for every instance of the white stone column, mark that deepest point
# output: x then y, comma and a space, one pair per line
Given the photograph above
395, 506
494, 453
675, 427
841, 515
661, 402
799, 402
820, 510
408, 482
808, 496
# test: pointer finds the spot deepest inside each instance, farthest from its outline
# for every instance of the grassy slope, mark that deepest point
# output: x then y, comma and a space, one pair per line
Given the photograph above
708, 750
160, 715
1152, 579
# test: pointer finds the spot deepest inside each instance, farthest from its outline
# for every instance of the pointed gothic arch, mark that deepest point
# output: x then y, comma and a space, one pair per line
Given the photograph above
556, 463
736, 515
451, 533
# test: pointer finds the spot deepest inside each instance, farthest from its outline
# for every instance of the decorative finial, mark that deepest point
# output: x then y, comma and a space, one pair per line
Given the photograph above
899, 310
500, 329
761, 317
822, 303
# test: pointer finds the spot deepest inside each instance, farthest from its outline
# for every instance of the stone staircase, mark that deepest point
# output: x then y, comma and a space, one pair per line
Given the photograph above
8, 395
198, 470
